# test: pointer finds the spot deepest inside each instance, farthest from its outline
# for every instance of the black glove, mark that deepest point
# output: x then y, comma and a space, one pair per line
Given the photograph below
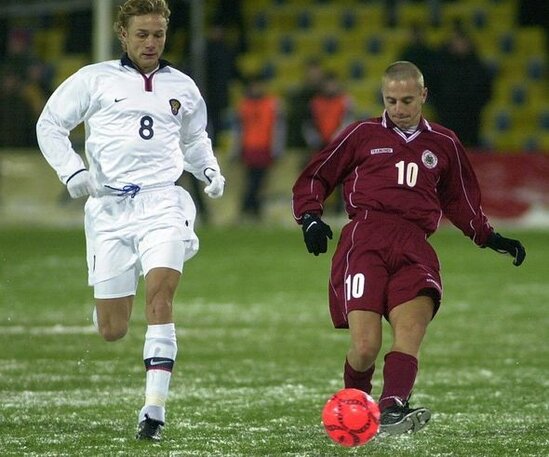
315, 233
507, 246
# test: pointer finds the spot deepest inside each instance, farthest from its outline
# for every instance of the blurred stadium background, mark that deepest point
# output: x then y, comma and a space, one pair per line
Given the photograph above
45, 41
256, 343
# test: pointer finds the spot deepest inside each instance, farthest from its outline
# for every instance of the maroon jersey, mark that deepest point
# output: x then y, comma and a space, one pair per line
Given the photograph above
417, 177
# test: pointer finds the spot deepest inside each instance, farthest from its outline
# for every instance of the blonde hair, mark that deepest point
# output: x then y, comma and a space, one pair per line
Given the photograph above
401, 70
132, 8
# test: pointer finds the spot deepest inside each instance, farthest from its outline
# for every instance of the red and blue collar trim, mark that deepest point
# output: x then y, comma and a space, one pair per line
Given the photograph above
127, 62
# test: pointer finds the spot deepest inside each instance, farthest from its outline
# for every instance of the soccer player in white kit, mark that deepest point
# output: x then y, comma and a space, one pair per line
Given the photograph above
145, 123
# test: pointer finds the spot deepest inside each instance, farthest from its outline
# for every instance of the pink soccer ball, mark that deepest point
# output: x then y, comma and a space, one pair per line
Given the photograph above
351, 417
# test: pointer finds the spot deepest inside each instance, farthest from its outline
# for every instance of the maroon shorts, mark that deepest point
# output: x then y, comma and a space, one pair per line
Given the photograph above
381, 261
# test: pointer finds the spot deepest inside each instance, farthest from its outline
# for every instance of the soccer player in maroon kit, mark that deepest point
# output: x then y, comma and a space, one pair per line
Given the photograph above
400, 174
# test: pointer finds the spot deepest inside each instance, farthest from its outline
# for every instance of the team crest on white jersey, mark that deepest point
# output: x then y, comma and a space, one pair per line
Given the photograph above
429, 159
175, 106
381, 151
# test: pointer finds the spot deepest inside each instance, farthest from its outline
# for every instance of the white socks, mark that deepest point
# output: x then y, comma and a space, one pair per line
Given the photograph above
94, 318
159, 354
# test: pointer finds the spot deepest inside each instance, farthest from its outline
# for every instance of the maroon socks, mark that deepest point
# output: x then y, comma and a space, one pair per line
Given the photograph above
361, 380
399, 376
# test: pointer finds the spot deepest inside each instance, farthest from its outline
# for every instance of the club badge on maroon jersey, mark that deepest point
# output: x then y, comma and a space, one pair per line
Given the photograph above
175, 105
429, 159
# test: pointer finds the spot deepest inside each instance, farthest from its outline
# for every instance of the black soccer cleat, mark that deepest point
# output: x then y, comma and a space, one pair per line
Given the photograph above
149, 429
400, 418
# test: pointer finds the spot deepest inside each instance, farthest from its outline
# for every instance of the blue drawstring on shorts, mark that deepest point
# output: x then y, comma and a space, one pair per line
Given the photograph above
128, 189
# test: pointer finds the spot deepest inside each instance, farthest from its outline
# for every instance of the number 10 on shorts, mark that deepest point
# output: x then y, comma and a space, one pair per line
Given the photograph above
354, 286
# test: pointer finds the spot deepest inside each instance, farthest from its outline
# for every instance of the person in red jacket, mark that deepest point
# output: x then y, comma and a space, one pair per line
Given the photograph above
331, 109
400, 173
259, 136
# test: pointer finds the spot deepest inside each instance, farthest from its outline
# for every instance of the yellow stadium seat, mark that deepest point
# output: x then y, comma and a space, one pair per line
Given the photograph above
338, 64
512, 67
50, 44
327, 18
365, 17
289, 68
366, 93
502, 14
523, 41
436, 36
67, 65
251, 7
543, 142
260, 20
452, 13
487, 43
508, 142
284, 18
261, 41
250, 63
530, 41
309, 43
410, 14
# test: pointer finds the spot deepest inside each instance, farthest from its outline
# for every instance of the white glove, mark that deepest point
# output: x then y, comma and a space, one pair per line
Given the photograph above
217, 183
81, 184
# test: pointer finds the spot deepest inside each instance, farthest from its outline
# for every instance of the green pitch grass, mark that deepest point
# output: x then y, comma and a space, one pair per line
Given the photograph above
258, 356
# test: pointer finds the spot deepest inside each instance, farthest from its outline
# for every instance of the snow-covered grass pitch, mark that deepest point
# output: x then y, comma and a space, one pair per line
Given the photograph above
258, 356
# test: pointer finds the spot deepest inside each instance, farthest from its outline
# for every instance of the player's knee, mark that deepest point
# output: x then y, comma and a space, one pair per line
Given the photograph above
411, 329
365, 350
111, 332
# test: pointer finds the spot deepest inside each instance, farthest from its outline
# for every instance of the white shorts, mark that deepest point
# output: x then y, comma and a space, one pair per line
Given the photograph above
124, 235
170, 254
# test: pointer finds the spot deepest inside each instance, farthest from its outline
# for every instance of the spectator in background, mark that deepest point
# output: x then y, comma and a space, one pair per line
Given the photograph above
259, 137
220, 71
24, 83
16, 113
229, 13
464, 87
79, 32
21, 58
392, 7
298, 100
331, 109
3, 37
534, 13
422, 54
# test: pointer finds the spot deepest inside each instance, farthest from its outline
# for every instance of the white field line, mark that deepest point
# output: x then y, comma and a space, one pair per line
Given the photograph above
56, 329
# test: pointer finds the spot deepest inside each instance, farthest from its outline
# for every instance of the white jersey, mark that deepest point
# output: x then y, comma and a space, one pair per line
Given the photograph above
140, 129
